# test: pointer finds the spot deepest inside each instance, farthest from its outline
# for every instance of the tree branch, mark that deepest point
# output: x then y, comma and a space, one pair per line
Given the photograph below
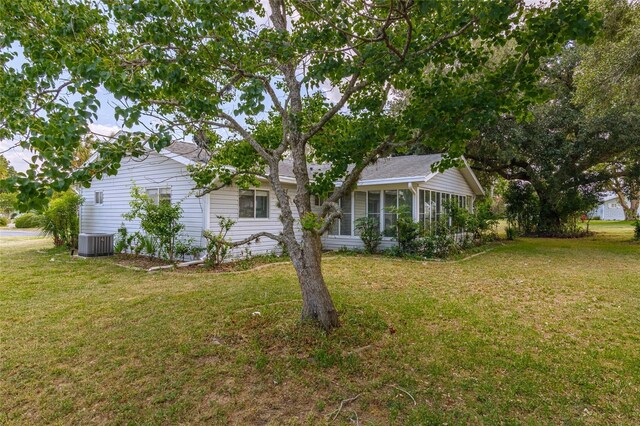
256, 237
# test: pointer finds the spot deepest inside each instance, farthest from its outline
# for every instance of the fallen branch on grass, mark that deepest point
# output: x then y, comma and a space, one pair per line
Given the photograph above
342, 404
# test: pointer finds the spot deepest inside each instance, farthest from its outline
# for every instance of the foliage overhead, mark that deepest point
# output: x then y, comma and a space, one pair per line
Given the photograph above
197, 67
610, 72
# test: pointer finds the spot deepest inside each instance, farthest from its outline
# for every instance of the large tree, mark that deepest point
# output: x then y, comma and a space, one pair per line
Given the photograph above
213, 69
609, 77
560, 150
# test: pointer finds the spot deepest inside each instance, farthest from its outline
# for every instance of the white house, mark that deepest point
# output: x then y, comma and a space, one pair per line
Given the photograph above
610, 208
394, 181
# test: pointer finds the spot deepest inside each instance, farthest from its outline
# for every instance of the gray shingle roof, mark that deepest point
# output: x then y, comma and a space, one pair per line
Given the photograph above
384, 168
189, 150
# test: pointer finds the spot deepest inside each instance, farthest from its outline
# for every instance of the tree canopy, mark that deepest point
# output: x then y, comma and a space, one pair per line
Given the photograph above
561, 149
215, 70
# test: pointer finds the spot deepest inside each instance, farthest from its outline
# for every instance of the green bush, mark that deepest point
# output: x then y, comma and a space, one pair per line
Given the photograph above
218, 246
28, 220
160, 224
636, 233
522, 207
369, 229
60, 219
4, 221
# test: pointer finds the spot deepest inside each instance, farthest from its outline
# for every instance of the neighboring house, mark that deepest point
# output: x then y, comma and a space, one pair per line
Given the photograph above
609, 208
394, 181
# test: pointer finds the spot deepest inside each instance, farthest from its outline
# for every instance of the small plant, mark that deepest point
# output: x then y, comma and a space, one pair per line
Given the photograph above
406, 231
369, 229
636, 232
218, 247
123, 240
186, 248
512, 233
4, 221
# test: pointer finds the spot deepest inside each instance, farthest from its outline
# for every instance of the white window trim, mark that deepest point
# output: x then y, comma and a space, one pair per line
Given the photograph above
254, 218
101, 197
157, 189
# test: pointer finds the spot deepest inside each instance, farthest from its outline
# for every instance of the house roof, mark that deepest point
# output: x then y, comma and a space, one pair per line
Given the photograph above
188, 150
410, 168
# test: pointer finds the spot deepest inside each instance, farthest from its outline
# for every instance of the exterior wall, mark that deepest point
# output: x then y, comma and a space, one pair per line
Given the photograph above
225, 202
152, 172
450, 181
611, 210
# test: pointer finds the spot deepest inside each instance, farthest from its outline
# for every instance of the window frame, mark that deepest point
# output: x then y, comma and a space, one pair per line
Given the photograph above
255, 204
98, 198
158, 192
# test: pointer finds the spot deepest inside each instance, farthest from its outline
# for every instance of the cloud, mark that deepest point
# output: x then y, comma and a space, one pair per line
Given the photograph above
101, 130
17, 156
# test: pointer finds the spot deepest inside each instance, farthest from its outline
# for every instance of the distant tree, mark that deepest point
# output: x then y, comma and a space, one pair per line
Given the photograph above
198, 67
6, 169
609, 77
559, 148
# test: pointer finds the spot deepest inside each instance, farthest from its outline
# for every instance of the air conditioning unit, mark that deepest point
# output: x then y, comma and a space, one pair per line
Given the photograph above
92, 245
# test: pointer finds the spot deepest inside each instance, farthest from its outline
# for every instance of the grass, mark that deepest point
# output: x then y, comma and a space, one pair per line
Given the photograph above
534, 331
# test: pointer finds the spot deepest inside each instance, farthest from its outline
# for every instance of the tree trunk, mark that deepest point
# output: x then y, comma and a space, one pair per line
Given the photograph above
317, 305
631, 211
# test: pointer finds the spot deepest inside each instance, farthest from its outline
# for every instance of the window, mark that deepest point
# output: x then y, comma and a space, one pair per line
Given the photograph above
433, 205
253, 204
159, 194
373, 205
342, 226
99, 197
396, 199
390, 217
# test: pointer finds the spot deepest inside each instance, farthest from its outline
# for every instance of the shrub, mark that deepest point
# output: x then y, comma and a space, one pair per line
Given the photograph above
159, 222
369, 229
522, 206
218, 246
123, 240
636, 233
186, 248
60, 219
406, 231
28, 220
4, 221
512, 233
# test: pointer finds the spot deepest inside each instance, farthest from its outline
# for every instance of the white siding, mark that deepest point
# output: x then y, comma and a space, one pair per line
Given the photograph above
152, 172
224, 202
450, 181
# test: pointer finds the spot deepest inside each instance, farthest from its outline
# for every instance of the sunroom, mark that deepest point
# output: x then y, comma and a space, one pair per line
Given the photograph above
383, 203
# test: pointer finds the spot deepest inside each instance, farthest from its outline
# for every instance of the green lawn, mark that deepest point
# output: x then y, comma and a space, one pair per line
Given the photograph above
534, 331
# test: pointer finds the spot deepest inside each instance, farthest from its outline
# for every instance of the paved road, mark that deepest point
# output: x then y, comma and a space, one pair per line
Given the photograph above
18, 233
